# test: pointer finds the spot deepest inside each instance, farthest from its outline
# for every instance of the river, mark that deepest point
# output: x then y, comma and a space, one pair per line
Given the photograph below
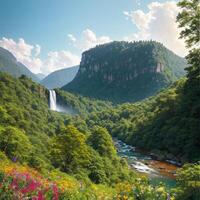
157, 171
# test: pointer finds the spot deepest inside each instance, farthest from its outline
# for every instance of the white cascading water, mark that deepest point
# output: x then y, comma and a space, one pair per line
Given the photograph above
52, 100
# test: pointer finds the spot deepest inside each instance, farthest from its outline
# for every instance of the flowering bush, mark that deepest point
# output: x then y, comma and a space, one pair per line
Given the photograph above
21, 182
124, 191
143, 190
21, 185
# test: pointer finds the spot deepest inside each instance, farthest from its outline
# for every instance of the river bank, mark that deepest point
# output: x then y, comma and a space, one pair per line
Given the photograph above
144, 163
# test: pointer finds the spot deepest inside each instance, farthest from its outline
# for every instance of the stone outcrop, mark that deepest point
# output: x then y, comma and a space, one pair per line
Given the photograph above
126, 71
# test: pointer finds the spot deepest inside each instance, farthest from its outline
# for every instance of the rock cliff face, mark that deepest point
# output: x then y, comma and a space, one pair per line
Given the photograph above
123, 72
109, 76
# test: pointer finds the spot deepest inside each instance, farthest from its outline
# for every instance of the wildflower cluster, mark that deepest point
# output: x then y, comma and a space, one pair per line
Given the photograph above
124, 191
21, 182
21, 185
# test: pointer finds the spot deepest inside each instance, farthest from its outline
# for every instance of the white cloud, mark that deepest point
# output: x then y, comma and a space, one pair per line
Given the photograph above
142, 20
71, 37
37, 50
20, 49
89, 39
159, 23
29, 56
25, 53
58, 60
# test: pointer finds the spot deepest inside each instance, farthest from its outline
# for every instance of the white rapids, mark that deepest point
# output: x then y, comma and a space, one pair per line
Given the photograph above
139, 166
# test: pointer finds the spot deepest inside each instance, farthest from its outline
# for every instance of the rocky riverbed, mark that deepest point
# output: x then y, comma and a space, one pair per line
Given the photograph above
157, 171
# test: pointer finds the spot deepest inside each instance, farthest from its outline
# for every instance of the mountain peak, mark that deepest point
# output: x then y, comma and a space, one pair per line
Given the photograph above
123, 71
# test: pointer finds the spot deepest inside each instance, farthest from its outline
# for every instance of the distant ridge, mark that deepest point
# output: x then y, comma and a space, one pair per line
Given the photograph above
41, 76
60, 77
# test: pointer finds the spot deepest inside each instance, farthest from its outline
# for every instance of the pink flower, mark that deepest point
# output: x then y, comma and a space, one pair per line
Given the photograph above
14, 184
30, 188
40, 196
55, 192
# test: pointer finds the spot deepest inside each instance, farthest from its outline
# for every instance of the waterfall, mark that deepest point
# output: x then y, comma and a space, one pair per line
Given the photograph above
52, 100
53, 105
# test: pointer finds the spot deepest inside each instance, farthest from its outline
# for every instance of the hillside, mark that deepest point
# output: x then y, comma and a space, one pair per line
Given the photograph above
60, 78
47, 185
30, 133
52, 138
10, 65
126, 72
167, 125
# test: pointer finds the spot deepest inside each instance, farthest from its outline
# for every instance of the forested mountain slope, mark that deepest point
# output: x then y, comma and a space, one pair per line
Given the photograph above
126, 72
10, 65
167, 124
31, 133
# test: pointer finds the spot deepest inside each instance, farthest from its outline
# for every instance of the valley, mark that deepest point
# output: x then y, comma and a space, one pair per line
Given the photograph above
90, 118
141, 161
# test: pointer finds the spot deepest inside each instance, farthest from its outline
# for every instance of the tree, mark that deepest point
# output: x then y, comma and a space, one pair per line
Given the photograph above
69, 150
97, 172
15, 144
3, 115
188, 182
189, 21
102, 142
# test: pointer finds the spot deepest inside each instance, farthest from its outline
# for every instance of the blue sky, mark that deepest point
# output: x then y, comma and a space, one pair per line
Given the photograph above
52, 28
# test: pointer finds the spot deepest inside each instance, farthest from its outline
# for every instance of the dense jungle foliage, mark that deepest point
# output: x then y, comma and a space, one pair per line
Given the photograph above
30, 133
54, 140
